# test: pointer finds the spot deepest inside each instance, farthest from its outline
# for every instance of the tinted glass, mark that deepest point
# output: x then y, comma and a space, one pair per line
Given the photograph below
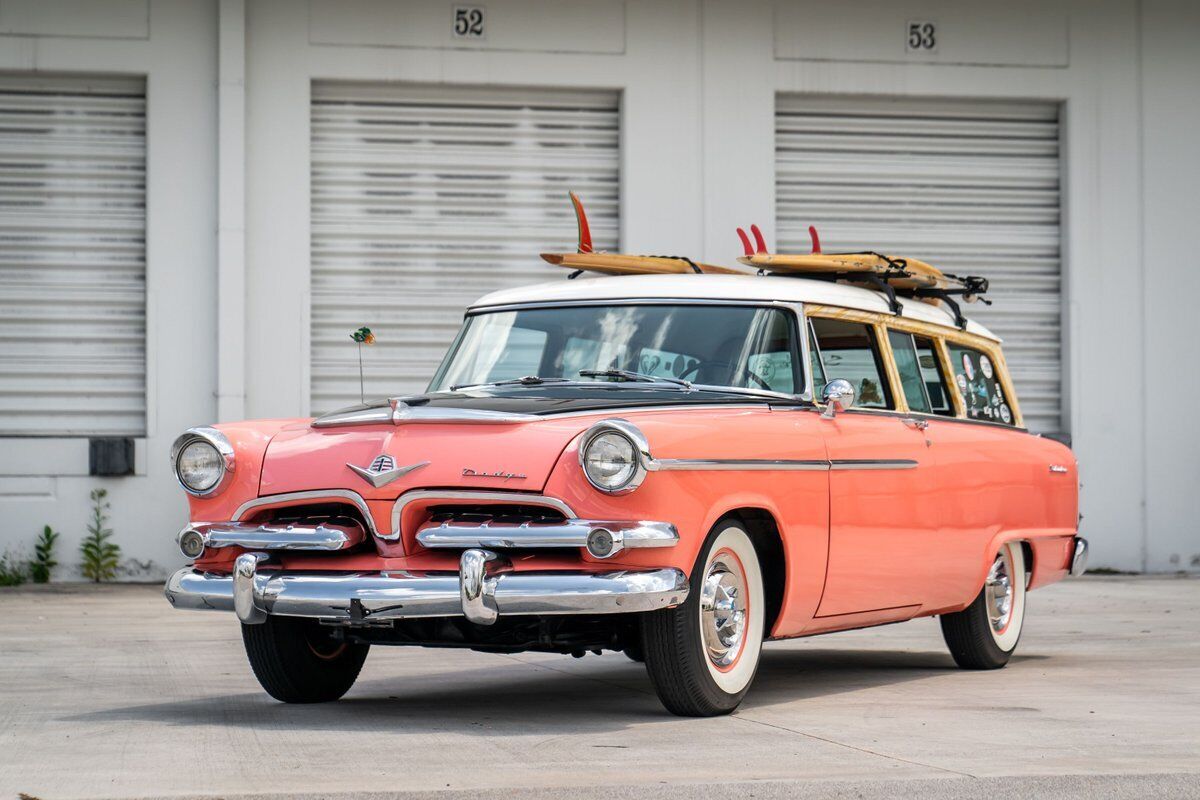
931, 374
738, 346
979, 382
848, 350
905, 352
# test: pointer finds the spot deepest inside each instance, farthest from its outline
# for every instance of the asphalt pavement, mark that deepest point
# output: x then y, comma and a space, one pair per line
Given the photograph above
109, 692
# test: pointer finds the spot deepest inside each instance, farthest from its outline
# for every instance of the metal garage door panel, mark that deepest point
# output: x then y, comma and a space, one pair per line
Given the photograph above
425, 198
72, 256
972, 187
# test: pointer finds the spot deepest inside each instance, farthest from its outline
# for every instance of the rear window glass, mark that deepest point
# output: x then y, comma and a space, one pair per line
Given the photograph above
978, 380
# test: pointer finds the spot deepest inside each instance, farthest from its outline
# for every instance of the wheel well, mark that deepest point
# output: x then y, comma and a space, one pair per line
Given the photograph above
764, 533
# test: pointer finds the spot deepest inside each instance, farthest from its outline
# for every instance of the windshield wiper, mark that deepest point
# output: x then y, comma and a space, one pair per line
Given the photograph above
528, 380
630, 376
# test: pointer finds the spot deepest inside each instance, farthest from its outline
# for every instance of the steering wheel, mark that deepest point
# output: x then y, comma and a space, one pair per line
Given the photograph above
744, 371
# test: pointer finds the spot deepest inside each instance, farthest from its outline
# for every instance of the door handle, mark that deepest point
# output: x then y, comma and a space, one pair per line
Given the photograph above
916, 424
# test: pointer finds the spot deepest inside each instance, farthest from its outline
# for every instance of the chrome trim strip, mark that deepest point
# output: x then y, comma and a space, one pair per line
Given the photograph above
873, 463
323, 536
471, 496
362, 416
526, 535
745, 464
382, 596
317, 494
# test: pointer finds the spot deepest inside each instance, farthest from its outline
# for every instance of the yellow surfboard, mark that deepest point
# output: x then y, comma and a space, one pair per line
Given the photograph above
622, 264
919, 275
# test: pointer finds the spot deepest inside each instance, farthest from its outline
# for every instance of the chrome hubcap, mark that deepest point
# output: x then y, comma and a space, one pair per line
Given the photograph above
998, 593
723, 611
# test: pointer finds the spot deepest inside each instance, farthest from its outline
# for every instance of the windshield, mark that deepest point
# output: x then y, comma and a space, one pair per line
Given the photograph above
709, 345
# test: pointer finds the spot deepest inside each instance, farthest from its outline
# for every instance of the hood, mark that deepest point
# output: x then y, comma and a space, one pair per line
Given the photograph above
515, 456
495, 439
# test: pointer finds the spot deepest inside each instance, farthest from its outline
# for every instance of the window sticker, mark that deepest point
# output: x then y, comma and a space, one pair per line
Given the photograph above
979, 383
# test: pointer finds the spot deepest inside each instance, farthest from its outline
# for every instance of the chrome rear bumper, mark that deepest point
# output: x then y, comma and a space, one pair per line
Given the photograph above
473, 593
1079, 556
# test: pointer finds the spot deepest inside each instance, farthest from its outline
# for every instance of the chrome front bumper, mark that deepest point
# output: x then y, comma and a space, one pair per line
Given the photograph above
474, 593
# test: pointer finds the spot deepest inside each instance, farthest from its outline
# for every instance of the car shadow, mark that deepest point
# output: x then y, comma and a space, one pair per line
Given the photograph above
600, 695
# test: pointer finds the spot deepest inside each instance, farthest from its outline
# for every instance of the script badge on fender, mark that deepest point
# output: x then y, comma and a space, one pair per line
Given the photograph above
383, 470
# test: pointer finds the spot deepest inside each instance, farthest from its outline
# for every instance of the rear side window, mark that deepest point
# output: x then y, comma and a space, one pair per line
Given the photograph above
979, 381
848, 350
932, 377
911, 381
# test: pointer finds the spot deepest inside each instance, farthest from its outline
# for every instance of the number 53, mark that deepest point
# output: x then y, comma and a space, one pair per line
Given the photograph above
922, 36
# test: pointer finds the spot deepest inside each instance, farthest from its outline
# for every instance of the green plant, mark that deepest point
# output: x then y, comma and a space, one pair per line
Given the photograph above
12, 571
100, 556
43, 556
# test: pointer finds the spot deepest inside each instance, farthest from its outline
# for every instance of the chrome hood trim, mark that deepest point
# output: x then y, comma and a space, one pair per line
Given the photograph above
397, 412
402, 413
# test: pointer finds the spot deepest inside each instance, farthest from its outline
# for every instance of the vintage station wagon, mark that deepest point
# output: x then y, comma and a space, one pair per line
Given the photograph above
679, 467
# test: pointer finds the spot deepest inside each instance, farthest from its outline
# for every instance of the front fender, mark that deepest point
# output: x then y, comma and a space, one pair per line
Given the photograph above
694, 501
249, 440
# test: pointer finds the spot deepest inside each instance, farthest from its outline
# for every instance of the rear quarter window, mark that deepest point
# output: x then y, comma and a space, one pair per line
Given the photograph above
978, 380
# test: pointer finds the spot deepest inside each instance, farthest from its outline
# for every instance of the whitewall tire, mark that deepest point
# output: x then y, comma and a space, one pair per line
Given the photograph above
702, 656
985, 634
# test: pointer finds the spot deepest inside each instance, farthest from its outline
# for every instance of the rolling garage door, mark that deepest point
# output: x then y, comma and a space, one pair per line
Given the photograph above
425, 198
972, 187
72, 256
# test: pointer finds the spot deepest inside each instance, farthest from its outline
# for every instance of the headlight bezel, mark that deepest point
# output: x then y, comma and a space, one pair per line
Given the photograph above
638, 443
220, 443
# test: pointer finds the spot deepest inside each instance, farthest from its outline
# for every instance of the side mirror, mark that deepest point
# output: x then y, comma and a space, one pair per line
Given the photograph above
838, 395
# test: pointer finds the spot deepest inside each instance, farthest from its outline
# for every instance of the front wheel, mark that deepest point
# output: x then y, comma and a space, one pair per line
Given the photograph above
299, 661
985, 633
702, 655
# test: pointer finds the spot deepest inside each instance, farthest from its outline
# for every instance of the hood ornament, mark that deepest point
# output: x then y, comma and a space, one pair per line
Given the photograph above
383, 470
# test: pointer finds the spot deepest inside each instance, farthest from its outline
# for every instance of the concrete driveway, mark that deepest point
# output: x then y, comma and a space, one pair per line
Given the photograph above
108, 692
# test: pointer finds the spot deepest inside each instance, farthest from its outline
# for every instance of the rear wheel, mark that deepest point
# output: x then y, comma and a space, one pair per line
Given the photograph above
985, 634
299, 661
702, 655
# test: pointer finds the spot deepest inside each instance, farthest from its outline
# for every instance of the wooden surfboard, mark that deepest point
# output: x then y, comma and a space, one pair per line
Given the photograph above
920, 275
622, 264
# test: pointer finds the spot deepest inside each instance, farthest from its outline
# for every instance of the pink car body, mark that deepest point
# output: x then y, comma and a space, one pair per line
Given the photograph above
858, 517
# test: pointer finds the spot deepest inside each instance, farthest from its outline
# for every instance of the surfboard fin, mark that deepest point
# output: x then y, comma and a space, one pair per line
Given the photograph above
745, 242
585, 233
816, 242
759, 244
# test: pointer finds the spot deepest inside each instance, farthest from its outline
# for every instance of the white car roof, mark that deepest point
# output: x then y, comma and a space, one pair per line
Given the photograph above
720, 287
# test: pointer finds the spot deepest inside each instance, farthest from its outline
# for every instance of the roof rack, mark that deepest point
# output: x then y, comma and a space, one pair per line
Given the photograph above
892, 276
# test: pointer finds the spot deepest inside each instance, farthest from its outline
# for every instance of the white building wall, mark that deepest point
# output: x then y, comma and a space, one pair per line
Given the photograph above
1160, 394
45, 480
698, 80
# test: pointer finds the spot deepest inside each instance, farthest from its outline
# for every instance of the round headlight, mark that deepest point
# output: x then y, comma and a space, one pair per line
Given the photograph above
200, 466
612, 459
202, 459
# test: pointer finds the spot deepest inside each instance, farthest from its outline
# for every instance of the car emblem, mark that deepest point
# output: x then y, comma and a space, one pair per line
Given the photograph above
501, 474
383, 470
